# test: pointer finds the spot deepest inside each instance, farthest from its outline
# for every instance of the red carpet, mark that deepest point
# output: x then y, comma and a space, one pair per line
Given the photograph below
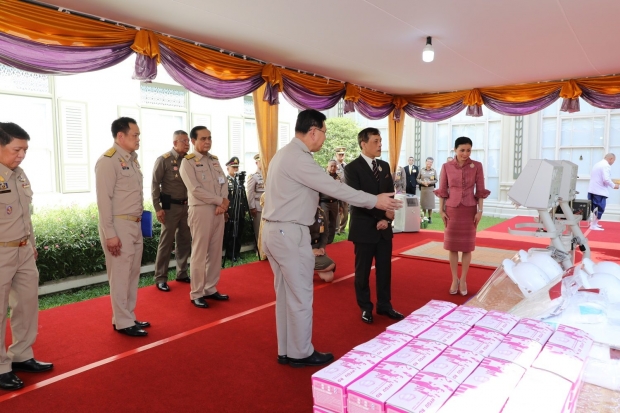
227, 363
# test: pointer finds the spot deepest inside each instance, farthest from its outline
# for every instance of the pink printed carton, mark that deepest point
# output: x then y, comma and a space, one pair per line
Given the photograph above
329, 384
486, 389
480, 341
560, 360
412, 325
539, 391
532, 329
577, 340
498, 321
425, 393
318, 409
418, 353
519, 350
370, 392
465, 315
384, 344
436, 309
454, 364
445, 332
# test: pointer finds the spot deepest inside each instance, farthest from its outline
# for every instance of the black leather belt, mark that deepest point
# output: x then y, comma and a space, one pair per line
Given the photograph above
178, 201
329, 200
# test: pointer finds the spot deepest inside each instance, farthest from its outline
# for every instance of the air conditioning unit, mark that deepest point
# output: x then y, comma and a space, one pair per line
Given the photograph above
407, 219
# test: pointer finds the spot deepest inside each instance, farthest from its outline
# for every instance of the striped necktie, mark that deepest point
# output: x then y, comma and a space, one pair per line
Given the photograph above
375, 170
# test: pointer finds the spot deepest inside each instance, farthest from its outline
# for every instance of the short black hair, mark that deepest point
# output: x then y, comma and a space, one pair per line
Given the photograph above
463, 140
365, 134
194, 132
309, 118
121, 125
11, 131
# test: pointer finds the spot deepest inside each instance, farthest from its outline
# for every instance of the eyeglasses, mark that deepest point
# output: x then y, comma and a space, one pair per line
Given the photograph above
185, 141
321, 130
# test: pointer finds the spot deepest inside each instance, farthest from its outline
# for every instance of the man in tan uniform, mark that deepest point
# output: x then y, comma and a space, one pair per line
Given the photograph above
120, 204
255, 188
343, 208
170, 201
19, 277
295, 180
207, 189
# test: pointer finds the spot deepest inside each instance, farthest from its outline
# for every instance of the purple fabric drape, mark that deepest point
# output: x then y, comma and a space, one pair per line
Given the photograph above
145, 68
203, 84
302, 98
59, 60
271, 94
600, 100
349, 106
434, 115
474, 111
570, 105
520, 108
372, 112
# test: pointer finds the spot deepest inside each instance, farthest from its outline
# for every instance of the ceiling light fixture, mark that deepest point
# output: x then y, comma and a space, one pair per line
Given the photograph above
428, 54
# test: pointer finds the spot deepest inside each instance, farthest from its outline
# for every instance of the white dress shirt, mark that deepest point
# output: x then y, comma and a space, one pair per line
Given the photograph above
600, 179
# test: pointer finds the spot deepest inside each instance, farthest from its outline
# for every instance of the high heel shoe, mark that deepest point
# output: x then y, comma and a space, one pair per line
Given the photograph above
463, 293
453, 292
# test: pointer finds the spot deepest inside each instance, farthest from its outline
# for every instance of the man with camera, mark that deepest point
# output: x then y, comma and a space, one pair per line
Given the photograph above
170, 202
236, 210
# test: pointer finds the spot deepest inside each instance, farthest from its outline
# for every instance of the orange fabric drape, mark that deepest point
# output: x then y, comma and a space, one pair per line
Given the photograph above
317, 85
273, 75
352, 93
609, 85
436, 100
375, 98
146, 43
521, 93
216, 64
49, 26
395, 138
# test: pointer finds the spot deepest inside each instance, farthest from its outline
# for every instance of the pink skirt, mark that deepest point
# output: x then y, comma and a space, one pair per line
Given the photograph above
460, 233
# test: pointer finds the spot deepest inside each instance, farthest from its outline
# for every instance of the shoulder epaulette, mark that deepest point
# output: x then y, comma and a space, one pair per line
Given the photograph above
166, 155
215, 158
190, 156
110, 152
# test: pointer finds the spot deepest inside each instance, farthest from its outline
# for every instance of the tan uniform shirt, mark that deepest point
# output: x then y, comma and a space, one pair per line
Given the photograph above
256, 187
204, 178
340, 170
167, 178
295, 179
15, 204
119, 187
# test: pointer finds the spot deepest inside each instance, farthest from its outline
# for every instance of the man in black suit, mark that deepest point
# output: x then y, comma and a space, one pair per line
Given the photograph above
370, 230
411, 174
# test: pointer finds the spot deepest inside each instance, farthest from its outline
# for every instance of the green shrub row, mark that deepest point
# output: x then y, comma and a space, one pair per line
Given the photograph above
68, 242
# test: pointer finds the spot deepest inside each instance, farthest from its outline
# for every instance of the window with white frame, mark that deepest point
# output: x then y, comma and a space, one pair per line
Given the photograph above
485, 133
583, 138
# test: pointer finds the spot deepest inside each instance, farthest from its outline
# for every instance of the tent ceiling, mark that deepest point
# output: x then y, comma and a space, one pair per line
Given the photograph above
378, 43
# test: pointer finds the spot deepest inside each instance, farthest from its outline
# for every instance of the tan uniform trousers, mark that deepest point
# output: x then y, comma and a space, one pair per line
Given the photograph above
288, 249
19, 283
343, 218
124, 271
207, 238
175, 228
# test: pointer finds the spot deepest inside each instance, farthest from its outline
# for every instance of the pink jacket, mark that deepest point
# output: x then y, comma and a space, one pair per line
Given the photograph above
457, 183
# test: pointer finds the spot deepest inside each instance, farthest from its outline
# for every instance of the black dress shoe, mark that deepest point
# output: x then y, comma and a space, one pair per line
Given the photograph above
163, 287
282, 360
315, 359
391, 313
367, 316
216, 296
9, 381
133, 331
142, 324
184, 280
200, 302
31, 366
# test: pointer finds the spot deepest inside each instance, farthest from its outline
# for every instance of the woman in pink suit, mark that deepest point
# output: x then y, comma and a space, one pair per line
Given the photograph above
461, 194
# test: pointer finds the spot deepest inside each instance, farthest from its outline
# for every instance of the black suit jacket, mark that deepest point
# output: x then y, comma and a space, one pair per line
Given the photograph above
411, 178
363, 224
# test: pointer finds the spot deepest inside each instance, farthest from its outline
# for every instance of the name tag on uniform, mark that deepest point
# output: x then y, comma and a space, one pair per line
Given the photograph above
221, 180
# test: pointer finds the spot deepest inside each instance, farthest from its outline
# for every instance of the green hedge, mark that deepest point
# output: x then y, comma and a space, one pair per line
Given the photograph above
68, 242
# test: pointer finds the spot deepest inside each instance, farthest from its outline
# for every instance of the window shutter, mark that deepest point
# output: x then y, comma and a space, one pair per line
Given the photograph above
75, 170
283, 134
235, 136
199, 119
129, 112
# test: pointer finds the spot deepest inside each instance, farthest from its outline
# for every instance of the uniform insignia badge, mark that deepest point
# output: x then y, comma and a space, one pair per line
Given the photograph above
1, 178
176, 168
25, 186
471, 165
110, 152
176, 176
4, 187
414, 171
215, 158
198, 164
21, 179
174, 161
9, 209
380, 168
190, 156
166, 155
124, 165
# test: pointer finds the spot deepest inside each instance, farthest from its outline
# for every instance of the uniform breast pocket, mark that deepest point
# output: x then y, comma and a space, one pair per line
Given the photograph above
128, 180
202, 173
8, 202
